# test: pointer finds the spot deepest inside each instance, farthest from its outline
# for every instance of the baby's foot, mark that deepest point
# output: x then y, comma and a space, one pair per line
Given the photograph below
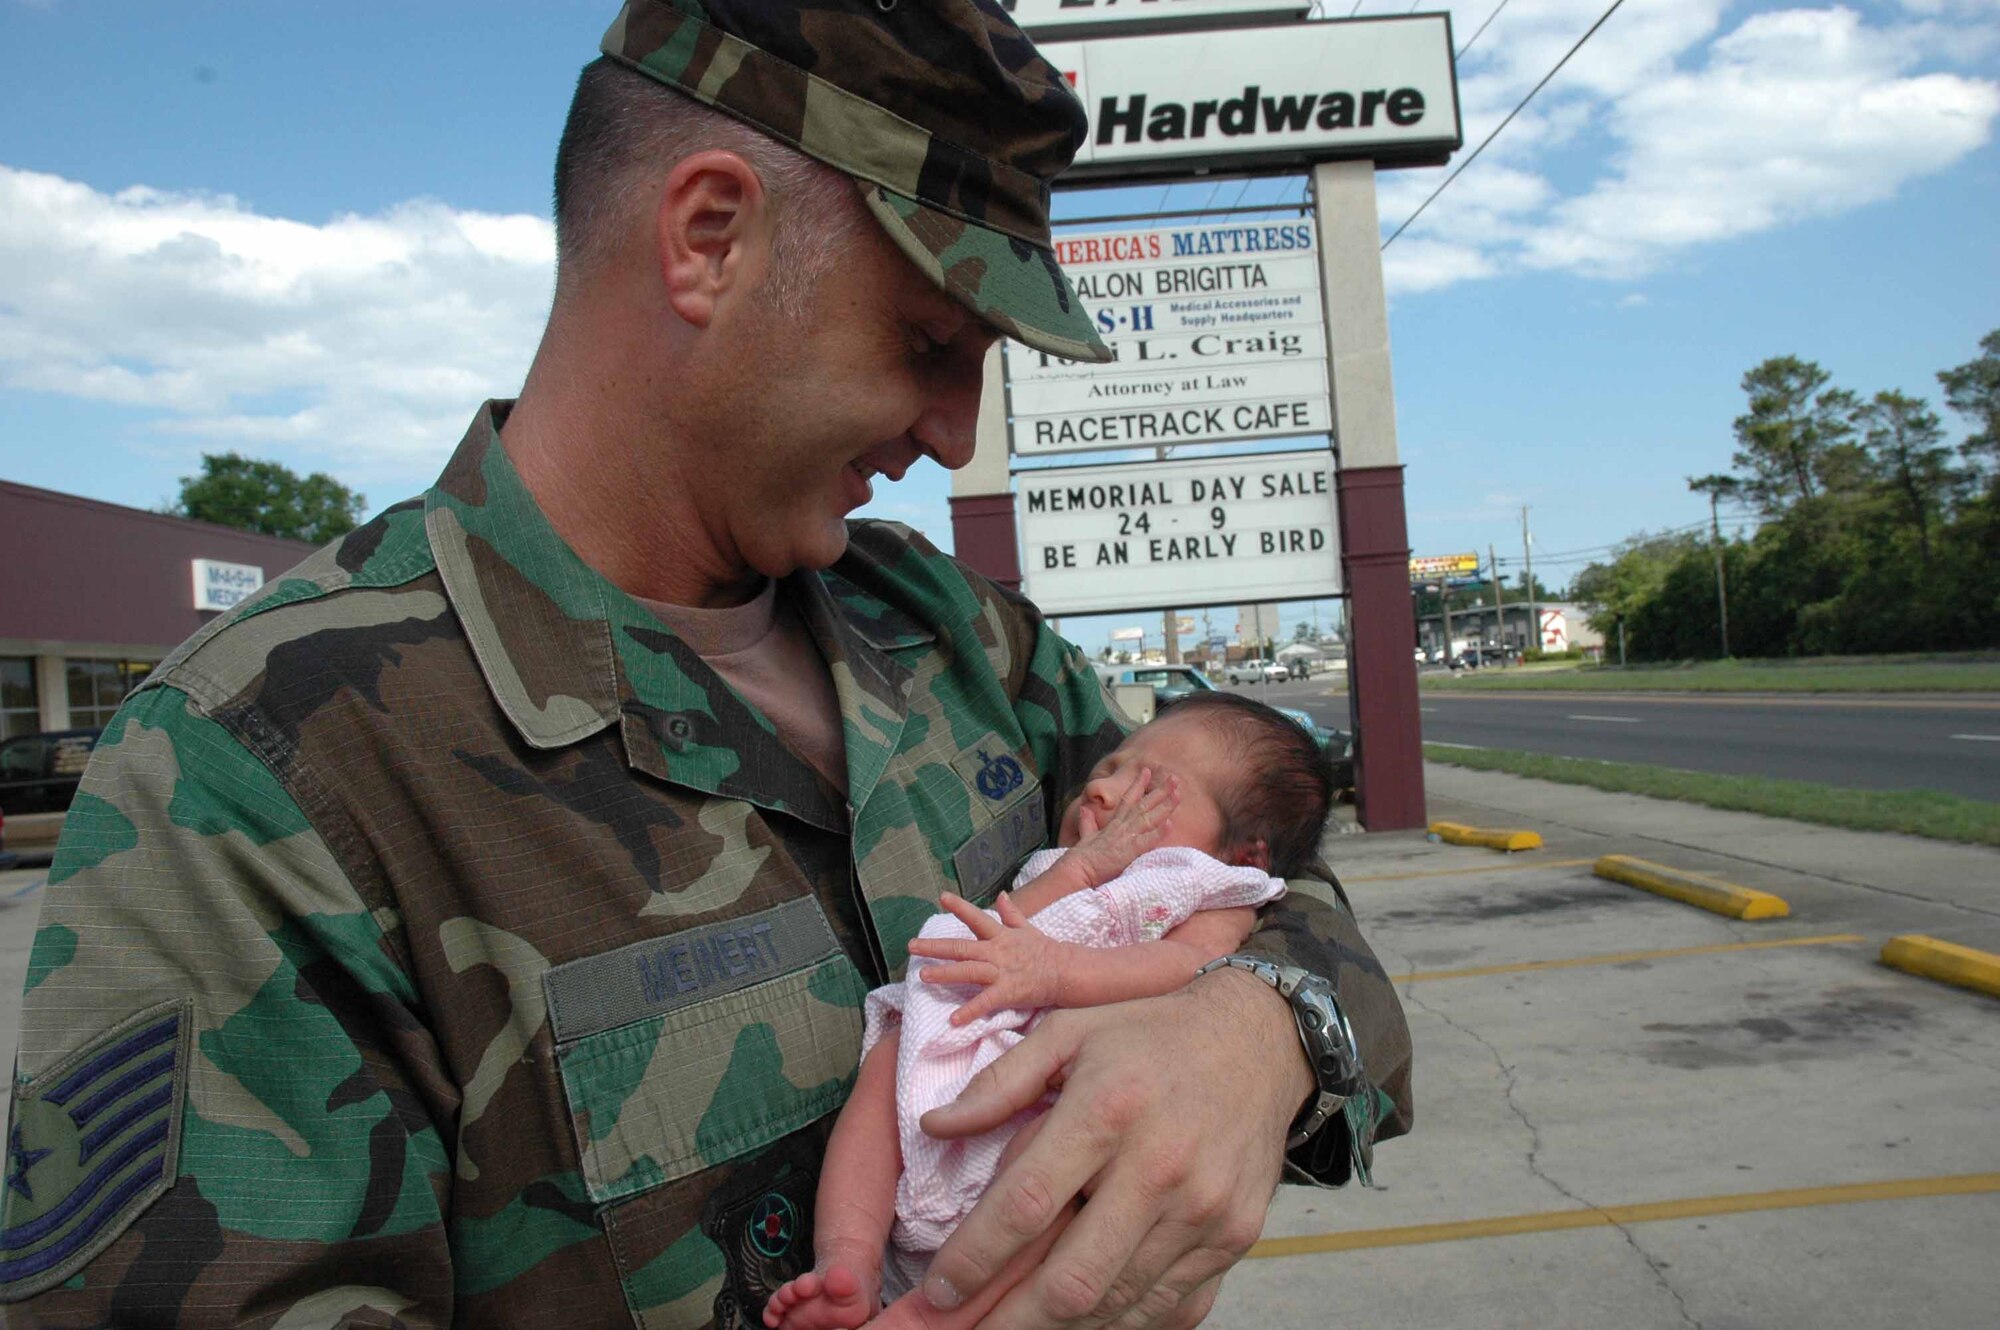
833, 1299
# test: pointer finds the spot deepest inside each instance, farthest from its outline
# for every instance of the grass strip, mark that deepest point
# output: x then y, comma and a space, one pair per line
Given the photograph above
1734, 676
1912, 812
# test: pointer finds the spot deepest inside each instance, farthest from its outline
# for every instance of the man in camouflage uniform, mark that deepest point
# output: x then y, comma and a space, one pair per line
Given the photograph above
441, 939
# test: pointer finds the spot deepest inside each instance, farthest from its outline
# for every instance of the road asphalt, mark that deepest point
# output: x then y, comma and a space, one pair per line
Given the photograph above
1631, 1113
1872, 742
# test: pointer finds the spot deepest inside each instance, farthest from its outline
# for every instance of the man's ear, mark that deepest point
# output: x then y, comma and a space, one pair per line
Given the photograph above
1256, 854
712, 233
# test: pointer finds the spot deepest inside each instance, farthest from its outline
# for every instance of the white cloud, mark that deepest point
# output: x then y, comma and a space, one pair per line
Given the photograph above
366, 339
1669, 137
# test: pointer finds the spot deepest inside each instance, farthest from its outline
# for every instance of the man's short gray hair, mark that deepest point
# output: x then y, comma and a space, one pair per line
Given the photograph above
625, 132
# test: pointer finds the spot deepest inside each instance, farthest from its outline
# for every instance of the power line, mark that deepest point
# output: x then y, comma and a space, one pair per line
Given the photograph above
1482, 28
1504, 123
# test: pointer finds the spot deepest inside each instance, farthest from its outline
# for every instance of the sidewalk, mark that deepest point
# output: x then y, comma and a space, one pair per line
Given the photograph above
1632, 1113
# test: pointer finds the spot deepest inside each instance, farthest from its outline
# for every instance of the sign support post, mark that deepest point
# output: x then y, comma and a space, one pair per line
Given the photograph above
1375, 544
982, 503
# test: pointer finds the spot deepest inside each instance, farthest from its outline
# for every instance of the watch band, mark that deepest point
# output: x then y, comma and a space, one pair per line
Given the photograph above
1331, 1051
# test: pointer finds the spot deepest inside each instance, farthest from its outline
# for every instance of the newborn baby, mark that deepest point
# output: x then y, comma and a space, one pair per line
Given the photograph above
1163, 858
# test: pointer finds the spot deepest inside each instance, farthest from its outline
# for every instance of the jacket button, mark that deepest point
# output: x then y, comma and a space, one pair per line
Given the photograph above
679, 729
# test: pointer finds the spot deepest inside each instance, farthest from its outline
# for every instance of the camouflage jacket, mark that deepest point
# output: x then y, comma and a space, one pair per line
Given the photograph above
437, 941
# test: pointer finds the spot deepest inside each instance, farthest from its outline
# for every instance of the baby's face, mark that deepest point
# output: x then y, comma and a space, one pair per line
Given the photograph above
1170, 746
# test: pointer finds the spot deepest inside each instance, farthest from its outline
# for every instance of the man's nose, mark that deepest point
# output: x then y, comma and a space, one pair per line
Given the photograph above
949, 426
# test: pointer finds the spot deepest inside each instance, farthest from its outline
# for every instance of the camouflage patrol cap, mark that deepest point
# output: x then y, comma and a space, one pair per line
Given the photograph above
944, 112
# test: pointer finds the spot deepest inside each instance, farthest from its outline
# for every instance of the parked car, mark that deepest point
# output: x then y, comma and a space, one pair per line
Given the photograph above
1173, 682
1256, 671
39, 772
1299, 667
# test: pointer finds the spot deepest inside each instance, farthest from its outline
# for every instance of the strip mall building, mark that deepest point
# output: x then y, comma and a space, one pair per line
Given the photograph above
93, 595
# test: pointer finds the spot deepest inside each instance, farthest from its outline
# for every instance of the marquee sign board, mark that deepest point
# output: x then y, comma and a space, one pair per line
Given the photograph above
1439, 567
1218, 331
1059, 20
1206, 531
1381, 88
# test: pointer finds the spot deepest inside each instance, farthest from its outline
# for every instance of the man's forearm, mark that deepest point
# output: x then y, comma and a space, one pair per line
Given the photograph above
1310, 928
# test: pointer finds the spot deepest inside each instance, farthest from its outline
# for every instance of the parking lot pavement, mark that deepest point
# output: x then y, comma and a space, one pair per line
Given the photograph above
20, 901
1632, 1113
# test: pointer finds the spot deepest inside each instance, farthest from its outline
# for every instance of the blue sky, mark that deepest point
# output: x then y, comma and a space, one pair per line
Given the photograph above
318, 233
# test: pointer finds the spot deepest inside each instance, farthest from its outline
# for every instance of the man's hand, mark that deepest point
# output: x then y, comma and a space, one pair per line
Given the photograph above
1013, 962
1171, 1118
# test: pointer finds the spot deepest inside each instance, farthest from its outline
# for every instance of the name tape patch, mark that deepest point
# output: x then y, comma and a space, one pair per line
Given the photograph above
665, 974
991, 856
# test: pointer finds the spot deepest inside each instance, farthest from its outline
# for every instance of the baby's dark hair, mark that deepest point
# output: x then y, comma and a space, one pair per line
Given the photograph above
1284, 784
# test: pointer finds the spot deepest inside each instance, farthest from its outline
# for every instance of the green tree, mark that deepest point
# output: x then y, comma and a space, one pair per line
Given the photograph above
1795, 438
1619, 589
1973, 390
1905, 440
255, 495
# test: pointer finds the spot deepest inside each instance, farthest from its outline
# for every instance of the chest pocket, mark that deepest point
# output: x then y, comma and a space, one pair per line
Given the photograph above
686, 1051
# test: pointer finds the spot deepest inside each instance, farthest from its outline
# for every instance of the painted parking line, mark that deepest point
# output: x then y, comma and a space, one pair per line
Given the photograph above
1609, 720
1626, 957
1529, 866
1979, 738
1693, 1207
35, 885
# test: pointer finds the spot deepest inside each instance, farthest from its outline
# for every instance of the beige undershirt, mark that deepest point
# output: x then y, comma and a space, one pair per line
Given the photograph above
764, 651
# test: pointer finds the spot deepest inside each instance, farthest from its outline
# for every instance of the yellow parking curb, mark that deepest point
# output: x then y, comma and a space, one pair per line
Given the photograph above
1946, 962
1457, 833
1696, 889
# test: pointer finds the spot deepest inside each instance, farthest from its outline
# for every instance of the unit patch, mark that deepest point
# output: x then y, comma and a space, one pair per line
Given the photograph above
92, 1143
762, 1220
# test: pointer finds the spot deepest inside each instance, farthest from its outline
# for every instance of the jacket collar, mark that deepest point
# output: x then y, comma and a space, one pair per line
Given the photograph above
567, 654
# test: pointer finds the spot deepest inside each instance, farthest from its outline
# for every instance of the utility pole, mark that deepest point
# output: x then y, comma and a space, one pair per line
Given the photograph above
1445, 587
1173, 632
1721, 587
1499, 605
1534, 610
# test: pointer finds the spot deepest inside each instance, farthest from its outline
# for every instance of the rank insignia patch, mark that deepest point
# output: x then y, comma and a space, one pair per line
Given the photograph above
92, 1143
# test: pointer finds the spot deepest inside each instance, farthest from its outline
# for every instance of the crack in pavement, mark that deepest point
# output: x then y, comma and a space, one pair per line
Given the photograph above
1535, 1148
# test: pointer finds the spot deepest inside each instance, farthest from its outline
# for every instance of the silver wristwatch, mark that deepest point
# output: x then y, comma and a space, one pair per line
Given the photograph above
1323, 1029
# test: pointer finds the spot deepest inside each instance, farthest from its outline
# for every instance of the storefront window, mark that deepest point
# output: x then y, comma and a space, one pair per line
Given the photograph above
96, 687
20, 713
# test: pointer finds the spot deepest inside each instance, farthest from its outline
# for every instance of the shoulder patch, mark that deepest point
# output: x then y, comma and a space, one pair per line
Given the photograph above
92, 1143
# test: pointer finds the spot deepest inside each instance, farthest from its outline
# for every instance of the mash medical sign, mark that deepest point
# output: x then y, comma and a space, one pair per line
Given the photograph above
219, 585
1218, 332
1209, 531
1051, 20
1383, 89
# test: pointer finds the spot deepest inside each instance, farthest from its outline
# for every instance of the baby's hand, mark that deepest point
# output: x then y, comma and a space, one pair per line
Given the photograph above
1014, 963
1143, 817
